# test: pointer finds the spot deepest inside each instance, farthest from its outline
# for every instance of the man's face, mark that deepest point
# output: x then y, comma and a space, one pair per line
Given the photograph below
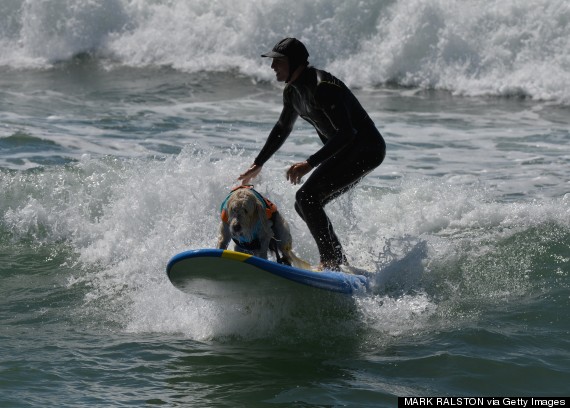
281, 68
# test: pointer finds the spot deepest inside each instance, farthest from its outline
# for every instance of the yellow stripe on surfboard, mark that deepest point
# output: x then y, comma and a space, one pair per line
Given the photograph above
236, 256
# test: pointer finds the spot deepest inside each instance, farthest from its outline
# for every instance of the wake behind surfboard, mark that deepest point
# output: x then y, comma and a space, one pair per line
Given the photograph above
202, 271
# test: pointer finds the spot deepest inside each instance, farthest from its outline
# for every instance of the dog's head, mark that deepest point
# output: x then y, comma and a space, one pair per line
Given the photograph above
243, 214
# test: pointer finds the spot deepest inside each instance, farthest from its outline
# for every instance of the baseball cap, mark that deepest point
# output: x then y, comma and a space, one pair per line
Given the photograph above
289, 47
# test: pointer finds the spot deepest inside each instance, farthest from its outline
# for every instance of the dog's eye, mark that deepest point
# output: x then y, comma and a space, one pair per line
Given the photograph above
245, 210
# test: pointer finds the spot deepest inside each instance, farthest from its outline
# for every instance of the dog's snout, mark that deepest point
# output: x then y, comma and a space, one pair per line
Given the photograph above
237, 227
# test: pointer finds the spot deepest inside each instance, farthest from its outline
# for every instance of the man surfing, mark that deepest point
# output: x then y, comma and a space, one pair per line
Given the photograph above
352, 148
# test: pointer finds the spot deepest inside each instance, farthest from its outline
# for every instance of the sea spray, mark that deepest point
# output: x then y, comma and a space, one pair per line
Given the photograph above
497, 48
438, 254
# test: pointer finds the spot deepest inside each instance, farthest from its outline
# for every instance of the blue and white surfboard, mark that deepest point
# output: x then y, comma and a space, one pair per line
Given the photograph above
200, 271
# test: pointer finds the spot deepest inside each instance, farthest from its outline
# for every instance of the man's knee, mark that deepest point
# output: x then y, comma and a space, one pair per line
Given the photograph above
300, 196
304, 203
304, 200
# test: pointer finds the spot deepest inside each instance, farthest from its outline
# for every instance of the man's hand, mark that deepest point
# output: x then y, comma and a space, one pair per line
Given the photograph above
249, 174
297, 171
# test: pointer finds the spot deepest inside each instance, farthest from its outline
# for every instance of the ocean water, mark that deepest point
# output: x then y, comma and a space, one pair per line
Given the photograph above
124, 122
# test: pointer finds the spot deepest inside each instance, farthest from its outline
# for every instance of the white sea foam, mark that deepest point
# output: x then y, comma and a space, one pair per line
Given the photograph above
124, 219
490, 47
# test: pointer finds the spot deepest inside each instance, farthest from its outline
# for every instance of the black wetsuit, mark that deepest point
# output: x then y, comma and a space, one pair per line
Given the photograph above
352, 148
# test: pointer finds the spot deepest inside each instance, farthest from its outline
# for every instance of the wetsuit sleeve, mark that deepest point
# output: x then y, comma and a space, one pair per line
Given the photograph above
278, 134
331, 98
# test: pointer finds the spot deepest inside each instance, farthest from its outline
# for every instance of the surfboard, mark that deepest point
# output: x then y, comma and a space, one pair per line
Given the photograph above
217, 271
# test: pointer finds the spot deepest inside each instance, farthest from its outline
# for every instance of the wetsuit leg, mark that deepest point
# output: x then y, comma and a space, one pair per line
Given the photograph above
332, 178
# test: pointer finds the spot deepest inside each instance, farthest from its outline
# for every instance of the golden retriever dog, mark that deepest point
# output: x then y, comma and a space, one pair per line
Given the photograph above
255, 226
